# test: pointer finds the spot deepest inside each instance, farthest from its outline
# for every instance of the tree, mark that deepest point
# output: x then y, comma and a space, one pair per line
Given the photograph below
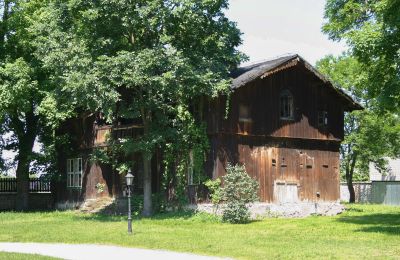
370, 134
238, 191
22, 88
372, 31
164, 55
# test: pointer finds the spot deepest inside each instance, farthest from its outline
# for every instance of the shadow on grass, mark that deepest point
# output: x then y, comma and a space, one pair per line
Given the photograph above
182, 215
388, 223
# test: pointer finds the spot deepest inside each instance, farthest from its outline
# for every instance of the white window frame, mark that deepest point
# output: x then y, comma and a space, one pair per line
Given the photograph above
74, 173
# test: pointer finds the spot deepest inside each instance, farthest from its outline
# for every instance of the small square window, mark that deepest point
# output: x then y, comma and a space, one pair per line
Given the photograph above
244, 113
322, 118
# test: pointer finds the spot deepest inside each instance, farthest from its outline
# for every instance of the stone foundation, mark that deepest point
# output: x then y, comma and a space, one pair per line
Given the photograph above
287, 210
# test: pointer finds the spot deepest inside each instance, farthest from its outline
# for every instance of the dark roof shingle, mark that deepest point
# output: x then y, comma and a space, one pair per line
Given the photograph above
244, 75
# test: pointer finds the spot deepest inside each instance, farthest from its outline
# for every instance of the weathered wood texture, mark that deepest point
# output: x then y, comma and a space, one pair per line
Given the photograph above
310, 169
293, 160
84, 136
261, 97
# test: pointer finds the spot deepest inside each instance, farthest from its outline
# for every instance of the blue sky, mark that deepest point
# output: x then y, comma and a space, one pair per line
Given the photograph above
274, 27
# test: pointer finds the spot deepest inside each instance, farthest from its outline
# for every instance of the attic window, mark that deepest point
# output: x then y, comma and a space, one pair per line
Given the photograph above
244, 113
286, 105
322, 118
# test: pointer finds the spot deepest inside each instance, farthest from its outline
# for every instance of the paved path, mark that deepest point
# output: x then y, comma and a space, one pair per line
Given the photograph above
97, 252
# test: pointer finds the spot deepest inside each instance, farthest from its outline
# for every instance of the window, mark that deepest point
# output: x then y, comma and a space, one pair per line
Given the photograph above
74, 173
244, 113
322, 118
286, 105
245, 122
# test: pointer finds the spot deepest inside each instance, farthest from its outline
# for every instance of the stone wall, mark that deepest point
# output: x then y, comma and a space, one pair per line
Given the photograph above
362, 191
289, 210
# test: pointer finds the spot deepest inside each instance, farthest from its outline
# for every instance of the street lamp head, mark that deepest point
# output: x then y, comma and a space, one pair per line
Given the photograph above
129, 178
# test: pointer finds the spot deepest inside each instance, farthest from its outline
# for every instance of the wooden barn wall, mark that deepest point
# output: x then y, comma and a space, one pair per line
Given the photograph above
84, 136
305, 168
262, 99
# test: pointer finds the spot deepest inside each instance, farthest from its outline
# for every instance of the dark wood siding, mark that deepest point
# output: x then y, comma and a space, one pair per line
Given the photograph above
312, 167
262, 98
296, 156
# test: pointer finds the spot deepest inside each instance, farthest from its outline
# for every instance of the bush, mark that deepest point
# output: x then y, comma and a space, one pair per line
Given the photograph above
158, 202
239, 189
215, 191
235, 213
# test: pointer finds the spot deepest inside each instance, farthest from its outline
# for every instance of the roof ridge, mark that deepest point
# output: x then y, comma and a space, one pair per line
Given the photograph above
259, 62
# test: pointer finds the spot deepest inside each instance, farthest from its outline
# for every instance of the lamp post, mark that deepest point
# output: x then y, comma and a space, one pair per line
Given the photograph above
129, 180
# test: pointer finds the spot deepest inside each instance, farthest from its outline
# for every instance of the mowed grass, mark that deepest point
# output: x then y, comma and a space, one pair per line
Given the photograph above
16, 256
363, 231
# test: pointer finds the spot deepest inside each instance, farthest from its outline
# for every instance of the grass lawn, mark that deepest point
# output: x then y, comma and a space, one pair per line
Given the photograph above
363, 231
15, 256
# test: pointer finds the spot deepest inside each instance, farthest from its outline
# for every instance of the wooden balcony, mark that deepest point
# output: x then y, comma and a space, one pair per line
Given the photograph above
103, 133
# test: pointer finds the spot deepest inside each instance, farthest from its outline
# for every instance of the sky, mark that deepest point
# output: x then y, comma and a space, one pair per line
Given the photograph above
275, 27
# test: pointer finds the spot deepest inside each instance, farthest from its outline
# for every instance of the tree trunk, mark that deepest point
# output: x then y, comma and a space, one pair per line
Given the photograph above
22, 181
349, 177
147, 202
352, 193
26, 140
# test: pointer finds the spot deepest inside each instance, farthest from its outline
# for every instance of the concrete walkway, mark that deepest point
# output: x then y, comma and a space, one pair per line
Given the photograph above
97, 252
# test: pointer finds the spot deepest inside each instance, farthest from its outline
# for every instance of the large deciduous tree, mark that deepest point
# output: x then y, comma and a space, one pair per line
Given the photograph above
370, 134
164, 55
372, 31
22, 88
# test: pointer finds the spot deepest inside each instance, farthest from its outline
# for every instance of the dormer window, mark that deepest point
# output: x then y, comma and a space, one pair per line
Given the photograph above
286, 105
322, 118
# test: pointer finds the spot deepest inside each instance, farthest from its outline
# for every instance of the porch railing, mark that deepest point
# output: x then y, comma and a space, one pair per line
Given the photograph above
35, 185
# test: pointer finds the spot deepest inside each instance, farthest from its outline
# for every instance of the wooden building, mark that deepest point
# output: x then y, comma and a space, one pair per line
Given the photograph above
285, 124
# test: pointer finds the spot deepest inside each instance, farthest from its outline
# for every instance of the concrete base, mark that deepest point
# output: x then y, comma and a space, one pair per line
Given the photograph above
287, 210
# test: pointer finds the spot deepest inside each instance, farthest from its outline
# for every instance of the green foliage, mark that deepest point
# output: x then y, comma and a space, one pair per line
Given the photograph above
370, 134
238, 185
158, 201
372, 31
149, 61
100, 187
24, 86
214, 187
236, 213
239, 189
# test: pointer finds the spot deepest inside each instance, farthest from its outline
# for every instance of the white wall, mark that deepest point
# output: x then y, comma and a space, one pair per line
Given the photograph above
392, 175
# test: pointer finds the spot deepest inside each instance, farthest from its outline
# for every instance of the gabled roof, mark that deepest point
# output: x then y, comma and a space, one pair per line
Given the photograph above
244, 75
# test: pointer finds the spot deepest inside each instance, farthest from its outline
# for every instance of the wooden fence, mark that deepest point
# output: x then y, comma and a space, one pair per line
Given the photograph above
35, 185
